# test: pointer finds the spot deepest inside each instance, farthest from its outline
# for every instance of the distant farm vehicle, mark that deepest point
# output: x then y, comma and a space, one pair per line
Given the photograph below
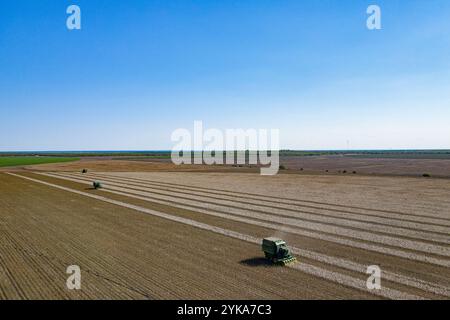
84, 171
97, 185
277, 251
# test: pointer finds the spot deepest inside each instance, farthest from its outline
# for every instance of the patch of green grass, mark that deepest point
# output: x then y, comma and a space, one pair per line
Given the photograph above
24, 160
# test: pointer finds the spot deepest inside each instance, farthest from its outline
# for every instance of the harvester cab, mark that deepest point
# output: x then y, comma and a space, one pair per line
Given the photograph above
277, 251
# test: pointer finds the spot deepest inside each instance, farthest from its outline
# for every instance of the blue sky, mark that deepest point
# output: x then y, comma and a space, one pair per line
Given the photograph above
139, 69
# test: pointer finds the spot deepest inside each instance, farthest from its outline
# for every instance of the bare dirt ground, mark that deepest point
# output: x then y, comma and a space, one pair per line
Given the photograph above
126, 165
378, 166
206, 227
323, 165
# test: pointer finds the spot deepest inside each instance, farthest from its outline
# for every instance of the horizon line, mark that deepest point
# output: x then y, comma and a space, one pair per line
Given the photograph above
167, 150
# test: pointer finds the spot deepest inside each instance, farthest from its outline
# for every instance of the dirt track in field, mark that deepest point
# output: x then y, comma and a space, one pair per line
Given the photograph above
335, 237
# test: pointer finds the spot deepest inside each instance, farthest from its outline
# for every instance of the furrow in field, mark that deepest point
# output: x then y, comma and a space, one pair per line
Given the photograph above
316, 207
314, 235
303, 202
308, 226
20, 265
63, 254
36, 268
295, 214
10, 279
309, 269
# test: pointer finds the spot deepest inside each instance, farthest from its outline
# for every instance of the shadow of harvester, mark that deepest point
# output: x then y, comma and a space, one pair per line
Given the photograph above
258, 262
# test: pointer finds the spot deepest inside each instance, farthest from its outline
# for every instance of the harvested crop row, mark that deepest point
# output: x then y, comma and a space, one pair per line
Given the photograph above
233, 204
311, 211
346, 264
306, 228
424, 198
315, 207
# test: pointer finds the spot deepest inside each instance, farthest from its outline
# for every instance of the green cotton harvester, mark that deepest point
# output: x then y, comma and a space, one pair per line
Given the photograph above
277, 251
97, 185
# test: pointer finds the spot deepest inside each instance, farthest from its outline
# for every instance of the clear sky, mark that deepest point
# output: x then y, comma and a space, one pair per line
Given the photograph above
139, 69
